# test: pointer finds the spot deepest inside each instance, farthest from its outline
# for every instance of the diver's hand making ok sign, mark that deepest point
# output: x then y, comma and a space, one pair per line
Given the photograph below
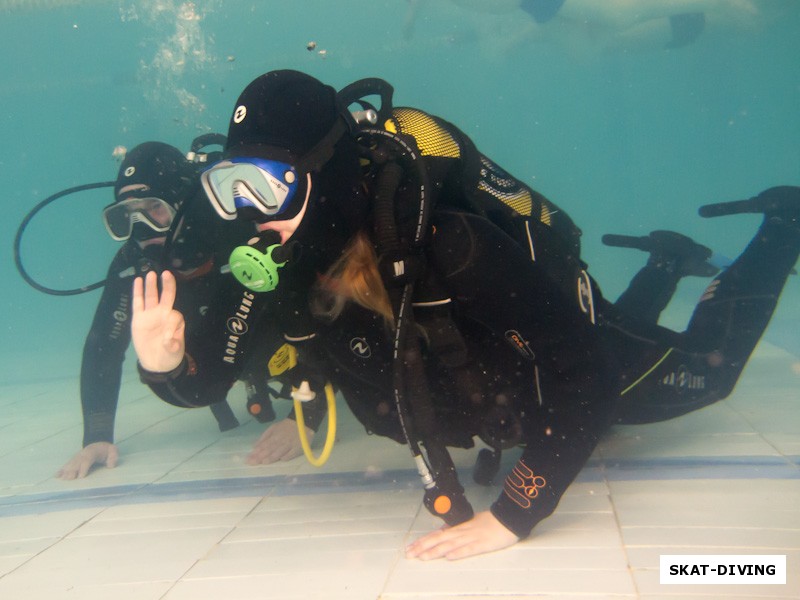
157, 329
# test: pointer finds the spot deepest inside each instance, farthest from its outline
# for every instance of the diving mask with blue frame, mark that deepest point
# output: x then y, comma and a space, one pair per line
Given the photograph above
267, 189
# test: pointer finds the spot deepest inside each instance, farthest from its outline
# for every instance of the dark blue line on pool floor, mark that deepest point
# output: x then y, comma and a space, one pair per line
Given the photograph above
661, 469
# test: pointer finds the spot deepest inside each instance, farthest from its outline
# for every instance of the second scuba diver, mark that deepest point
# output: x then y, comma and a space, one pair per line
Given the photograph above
163, 219
447, 301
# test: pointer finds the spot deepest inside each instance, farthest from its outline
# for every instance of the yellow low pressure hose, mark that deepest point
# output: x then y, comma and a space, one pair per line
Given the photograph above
331, 437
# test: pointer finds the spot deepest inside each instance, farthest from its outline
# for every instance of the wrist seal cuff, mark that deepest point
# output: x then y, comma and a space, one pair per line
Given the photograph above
165, 377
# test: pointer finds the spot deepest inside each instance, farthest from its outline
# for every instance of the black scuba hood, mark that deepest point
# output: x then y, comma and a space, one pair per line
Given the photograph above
155, 169
284, 110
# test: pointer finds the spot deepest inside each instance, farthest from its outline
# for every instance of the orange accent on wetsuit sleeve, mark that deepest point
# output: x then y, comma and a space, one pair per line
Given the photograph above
522, 485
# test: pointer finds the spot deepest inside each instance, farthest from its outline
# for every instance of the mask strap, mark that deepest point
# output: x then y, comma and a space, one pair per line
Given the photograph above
314, 159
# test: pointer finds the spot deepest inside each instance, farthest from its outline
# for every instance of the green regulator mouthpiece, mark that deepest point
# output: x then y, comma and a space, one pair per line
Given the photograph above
256, 265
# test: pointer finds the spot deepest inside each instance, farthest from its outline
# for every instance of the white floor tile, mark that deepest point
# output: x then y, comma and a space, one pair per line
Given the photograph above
364, 585
469, 578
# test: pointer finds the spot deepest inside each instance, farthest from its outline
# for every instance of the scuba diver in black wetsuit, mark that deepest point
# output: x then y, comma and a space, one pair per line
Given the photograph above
161, 216
668, 374
447, 301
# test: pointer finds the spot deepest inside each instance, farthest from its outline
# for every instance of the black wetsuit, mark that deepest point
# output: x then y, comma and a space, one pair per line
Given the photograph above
539, 358
203, 296
668, 374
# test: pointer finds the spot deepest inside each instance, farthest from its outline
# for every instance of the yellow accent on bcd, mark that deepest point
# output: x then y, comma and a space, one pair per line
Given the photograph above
285, 358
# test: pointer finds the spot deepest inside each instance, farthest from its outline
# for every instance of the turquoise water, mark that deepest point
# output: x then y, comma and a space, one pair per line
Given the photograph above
627, 137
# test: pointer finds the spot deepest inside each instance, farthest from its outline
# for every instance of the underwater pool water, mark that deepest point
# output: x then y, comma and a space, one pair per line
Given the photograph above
626, 138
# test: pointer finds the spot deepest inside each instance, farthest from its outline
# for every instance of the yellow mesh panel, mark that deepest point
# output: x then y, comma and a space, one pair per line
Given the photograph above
495, 181
431, 139
519, 200
544, 215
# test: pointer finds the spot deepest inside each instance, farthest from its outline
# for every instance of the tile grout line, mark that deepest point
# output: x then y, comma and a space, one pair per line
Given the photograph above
400, 554
618, 523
